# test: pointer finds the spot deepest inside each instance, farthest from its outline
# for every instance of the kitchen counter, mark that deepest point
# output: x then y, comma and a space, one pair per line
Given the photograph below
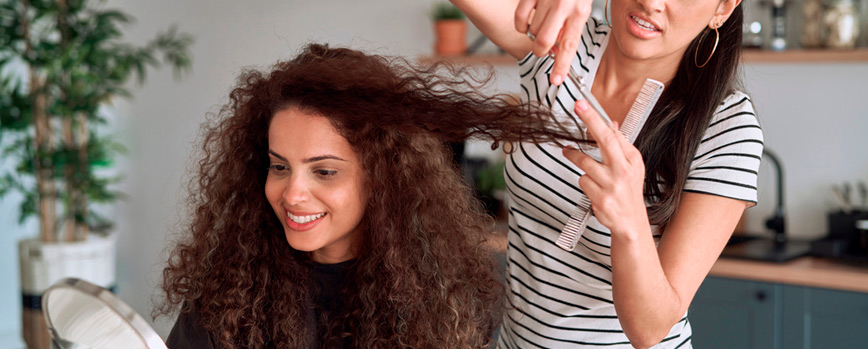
804, 271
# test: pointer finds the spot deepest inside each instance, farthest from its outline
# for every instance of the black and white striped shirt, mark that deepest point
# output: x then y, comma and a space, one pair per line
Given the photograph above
559, 298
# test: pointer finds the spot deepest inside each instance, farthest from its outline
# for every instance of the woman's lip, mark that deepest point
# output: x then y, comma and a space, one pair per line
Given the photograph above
646, 19
640, 31
302, 227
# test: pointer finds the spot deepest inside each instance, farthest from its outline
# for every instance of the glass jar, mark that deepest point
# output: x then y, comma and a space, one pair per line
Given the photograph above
812, 24
841, 24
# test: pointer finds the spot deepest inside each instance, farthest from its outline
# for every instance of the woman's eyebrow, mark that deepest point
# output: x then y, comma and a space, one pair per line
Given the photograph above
276, 155
321, 158
308, 160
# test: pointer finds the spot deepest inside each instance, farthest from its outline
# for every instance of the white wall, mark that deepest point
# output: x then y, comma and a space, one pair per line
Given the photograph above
813, 116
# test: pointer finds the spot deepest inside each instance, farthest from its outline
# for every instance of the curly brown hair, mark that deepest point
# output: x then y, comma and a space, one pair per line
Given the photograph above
423, 276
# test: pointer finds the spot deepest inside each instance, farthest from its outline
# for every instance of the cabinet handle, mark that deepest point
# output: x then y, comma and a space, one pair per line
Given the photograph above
761, 295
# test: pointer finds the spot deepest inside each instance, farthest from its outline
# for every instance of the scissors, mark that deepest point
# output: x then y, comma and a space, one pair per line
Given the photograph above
584, 90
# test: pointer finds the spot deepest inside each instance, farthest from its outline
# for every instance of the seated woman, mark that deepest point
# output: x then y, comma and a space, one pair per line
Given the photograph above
326, 210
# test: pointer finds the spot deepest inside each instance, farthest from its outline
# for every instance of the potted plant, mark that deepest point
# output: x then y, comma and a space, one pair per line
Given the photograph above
60, 62
490, 185
450, 30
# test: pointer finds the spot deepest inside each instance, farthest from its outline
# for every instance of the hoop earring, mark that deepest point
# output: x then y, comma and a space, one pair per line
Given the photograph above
606, 13
699, 44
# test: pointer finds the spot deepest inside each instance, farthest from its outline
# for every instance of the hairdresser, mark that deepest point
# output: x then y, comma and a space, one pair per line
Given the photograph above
650, 215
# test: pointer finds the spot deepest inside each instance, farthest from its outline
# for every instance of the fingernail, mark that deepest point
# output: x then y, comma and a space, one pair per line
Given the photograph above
582, 105
557, 79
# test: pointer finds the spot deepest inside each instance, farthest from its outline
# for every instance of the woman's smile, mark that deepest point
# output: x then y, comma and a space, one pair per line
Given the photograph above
303, 221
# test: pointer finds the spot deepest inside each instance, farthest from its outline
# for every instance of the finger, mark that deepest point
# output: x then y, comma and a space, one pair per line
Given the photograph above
631, 153
590, 187
589, 165
610, 149
523, 14
568, 44
547, 36
541, 46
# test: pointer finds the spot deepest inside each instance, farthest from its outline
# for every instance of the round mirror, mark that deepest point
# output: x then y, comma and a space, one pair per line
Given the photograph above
82, 315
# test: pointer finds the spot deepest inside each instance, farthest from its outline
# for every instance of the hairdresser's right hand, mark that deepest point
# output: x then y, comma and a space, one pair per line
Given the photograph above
554, 22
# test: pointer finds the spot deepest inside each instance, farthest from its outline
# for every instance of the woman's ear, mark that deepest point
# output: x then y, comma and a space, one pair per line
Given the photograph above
724, 10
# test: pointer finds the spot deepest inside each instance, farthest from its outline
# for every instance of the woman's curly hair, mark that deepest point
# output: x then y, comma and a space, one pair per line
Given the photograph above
423, 278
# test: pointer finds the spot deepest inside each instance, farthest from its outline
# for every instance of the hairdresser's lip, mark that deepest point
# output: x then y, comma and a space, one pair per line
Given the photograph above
303, 221
643, 27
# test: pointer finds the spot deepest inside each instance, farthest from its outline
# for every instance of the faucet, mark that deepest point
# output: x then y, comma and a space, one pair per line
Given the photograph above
777, 222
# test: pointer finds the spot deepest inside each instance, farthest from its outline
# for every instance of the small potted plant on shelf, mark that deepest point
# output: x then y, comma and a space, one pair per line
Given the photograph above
450, 29
61, 62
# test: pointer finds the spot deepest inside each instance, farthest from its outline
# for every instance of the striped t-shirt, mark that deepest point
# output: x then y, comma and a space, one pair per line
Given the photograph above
559, 298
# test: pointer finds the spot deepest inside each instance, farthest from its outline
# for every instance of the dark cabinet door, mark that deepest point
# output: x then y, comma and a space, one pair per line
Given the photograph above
731, 313
821, 318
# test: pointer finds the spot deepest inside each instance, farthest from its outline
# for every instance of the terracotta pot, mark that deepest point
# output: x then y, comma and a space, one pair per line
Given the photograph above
451, 37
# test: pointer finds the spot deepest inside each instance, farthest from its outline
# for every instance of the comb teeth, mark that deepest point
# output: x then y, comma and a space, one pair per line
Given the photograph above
642, 106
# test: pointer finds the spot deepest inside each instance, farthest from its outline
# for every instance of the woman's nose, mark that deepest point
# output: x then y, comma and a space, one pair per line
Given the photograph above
652, 5
297, 190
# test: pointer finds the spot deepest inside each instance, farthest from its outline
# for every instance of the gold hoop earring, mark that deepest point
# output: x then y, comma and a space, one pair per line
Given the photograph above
606, 13
699, 45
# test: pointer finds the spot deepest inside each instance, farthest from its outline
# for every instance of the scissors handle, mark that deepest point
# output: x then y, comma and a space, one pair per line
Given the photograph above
584, 90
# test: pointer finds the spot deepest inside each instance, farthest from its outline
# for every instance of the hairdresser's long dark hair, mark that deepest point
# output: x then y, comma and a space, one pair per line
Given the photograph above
670, 137
423, 278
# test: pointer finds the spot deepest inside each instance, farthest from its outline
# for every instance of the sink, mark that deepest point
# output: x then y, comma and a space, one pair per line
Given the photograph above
765, 249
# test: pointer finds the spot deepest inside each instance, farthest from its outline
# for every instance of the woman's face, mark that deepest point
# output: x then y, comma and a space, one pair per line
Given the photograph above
649, 29
314, 185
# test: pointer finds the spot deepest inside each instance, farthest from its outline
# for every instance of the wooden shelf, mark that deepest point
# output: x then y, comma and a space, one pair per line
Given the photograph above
493, 59
748, 56
805, 56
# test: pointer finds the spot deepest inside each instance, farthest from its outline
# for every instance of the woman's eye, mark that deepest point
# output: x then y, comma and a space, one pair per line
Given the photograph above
326, 173
277, 168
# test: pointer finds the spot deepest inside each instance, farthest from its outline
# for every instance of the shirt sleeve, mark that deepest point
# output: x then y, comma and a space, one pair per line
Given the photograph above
728, 157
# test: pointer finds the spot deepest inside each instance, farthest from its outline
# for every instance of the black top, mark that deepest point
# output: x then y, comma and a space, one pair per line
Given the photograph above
329, 278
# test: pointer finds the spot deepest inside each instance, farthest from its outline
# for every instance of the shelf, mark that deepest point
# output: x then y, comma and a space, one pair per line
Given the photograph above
493, 59
805, 56
748, 56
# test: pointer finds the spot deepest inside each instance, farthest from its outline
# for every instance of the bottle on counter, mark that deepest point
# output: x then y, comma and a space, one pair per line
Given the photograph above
812, 24
841, 25
779, 22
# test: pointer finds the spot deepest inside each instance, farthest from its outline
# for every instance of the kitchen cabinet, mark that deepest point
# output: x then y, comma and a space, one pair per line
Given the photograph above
731, 313
736, 313
822, 318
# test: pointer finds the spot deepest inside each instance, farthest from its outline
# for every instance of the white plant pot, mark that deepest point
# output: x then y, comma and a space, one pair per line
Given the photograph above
43, 264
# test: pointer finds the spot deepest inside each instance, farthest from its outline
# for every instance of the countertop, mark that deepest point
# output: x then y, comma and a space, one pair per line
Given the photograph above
804, 271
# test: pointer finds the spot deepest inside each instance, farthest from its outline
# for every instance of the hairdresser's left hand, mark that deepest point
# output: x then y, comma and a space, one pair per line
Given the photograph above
614, 185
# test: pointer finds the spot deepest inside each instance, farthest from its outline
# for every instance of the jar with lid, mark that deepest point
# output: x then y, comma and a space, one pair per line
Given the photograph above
812, 24
841, 24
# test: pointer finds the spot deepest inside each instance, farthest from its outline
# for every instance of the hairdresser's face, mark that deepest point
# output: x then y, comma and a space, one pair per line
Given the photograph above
314, 185
654, 29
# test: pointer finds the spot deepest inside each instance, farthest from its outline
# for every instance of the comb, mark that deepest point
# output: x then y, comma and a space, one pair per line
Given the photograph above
636, 117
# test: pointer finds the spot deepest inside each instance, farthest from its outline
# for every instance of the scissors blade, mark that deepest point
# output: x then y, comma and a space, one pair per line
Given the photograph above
586, 93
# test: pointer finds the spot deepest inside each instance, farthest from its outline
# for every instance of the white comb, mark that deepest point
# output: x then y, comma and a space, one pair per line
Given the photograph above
636, 117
